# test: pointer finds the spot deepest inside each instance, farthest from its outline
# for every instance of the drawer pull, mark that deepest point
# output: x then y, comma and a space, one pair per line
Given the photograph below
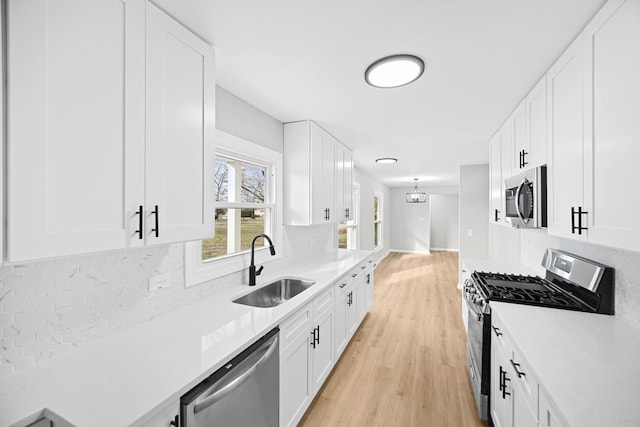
519, 373
343, 285
496, 331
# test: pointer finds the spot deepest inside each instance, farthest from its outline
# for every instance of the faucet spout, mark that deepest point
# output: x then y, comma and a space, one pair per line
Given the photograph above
252, 267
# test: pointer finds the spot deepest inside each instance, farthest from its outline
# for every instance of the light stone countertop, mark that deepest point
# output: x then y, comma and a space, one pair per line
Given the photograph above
587, 364
123, 379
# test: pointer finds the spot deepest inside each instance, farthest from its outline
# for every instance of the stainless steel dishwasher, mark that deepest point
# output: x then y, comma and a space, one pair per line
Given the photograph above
242, 393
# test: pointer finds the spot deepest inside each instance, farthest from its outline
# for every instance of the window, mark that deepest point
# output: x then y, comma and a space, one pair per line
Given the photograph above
247, 186
348, 230
241, 210
377, 220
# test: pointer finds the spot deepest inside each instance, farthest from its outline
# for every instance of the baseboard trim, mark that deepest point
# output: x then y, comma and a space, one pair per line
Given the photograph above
445, 249
404, 251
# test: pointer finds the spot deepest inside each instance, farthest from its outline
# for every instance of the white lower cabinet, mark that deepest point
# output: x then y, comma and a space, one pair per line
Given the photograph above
549, 415
167, 416
313, 338
514, 389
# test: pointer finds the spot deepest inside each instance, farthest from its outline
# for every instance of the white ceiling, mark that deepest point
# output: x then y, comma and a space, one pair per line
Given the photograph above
301, 59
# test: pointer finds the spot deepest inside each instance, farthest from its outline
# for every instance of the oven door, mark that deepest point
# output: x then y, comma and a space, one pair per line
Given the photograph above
478, 356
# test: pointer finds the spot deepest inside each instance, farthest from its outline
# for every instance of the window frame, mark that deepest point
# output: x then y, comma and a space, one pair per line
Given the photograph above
380, 220
198, 271
355, 222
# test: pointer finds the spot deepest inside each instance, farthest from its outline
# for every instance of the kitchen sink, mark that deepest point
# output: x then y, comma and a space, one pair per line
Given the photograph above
275, 293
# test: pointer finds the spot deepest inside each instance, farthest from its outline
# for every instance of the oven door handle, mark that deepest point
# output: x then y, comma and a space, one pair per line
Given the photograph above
472, 306
520, 214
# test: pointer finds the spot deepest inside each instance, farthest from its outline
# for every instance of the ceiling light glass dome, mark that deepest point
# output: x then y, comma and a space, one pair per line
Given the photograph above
394, 71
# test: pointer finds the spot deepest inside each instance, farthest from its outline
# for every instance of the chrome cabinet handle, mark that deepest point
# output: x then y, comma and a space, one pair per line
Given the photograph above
519, 212
207, 401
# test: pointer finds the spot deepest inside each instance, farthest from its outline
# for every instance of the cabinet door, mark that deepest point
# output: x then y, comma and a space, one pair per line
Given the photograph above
495, 180
180, 129
328, 178
347, 192
295, 380
322, 355
612, 124
521, 148
565, 140
352, 311
536, 125
75, 84
340, 213
549, 415
508, 169
321, 207
340, 326
501, 389
523, 415
360, 297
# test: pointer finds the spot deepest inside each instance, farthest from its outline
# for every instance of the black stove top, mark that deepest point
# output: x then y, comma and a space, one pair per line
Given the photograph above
531, 290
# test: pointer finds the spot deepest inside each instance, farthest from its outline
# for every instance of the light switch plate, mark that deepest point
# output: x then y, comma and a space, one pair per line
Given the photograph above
160, 281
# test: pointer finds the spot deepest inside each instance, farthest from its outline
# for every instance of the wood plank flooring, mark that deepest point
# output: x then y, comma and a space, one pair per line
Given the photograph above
405, 366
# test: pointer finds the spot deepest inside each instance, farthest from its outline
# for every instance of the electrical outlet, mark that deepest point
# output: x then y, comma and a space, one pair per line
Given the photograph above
160, 281
469, 232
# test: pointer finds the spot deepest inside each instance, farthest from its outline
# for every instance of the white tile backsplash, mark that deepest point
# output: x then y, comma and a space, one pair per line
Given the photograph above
51, 307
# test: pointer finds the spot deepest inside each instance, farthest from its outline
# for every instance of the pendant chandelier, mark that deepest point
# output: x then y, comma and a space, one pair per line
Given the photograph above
415, 196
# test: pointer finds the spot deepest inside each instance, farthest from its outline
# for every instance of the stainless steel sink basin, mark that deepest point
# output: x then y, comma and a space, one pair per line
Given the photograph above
275, 293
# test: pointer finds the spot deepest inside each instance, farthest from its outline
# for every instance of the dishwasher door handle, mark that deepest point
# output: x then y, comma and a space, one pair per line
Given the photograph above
241, 377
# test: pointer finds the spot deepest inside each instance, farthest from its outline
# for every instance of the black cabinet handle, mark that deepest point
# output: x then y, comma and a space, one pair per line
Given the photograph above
496, 331
328, 213
140, 223
579, 212
524, 156
343, 285
503, 383
346, 213
515, 365
176, 421
156, 229
496, 215
354, 275
313, 338
318, 337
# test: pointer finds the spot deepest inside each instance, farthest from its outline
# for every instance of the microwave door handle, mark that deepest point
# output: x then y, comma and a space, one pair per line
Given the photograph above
235, 383
522, 184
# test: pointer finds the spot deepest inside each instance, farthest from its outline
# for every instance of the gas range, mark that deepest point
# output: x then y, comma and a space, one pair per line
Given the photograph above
570, 283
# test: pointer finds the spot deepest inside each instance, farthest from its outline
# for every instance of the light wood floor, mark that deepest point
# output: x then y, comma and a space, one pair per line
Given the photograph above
405, 366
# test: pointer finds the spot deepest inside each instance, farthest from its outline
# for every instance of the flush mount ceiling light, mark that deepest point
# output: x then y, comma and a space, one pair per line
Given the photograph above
386, 160
416, 197
394, 71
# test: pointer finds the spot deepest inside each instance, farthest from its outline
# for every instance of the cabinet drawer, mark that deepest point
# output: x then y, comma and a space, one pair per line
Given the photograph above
342, 285
500, 338
323, 302
294, 325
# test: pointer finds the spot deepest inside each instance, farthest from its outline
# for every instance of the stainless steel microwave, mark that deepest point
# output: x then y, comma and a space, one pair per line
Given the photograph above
526, 198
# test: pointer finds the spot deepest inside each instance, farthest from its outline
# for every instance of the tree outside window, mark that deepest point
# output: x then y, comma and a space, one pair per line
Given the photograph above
241, 209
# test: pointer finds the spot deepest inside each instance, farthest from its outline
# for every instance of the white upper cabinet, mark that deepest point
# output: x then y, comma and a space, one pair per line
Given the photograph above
521, 148
77, 120
565, 141
495, 181
594, 131
73, 129
310, 175
180, 128
535, 149
612, 125
344, 183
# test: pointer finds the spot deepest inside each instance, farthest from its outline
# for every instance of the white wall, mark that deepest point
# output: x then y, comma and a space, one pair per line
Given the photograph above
239, 118
445, 233
474, 211
368, 187
410, 222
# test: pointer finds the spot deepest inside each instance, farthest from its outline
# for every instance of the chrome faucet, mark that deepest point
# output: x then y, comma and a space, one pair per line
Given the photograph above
252, 268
